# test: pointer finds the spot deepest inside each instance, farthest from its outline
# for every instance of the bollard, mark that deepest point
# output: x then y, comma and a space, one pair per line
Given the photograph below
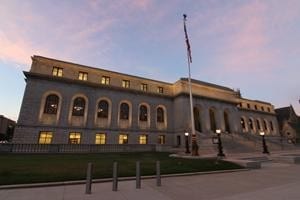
158, 179
88, 186
138, 175
115, 177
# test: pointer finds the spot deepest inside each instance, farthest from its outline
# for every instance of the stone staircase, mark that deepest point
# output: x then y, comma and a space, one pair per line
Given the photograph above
241, 143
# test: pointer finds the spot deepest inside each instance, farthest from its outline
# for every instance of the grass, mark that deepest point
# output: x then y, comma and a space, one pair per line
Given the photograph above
20, 169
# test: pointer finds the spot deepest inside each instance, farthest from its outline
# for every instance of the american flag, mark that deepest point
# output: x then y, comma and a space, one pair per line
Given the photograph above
188, 46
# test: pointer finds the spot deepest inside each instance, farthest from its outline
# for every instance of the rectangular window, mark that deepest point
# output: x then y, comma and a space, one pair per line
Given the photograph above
83, 76
105, 80
56, 71
144, 87
123, 139
255, 106
269, 110
160, 90
100, 138
45, 137
143, 139
248, 105
262, 108
161, 139
74, 138
125, 83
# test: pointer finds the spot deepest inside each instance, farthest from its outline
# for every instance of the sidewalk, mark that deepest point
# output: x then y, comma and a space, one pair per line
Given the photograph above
276, 181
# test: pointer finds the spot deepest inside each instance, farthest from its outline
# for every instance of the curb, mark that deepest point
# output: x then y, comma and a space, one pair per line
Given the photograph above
65, 183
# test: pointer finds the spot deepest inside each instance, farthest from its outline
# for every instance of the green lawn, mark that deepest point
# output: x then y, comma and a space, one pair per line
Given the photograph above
17, 169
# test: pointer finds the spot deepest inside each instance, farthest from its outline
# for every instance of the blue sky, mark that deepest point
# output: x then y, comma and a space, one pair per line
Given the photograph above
248, 44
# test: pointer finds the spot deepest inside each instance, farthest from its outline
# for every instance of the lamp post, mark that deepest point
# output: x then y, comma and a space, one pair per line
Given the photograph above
220, 147
187, 146
265, 147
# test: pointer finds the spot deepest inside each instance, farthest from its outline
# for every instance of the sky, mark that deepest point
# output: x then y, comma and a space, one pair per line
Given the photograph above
251, 45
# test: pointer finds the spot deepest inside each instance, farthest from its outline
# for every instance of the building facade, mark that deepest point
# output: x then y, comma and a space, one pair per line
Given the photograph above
7, 127
289, 123
68, 103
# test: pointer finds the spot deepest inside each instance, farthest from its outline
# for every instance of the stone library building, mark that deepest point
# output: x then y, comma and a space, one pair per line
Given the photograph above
68, 103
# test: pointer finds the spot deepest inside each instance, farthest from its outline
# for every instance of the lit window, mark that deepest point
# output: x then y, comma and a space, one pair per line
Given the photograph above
161, 139
78, 107
143, 113
144, 87
51, 104
83, 76
160, 90
123, 139
103, 109
160, 115
74, 138
56, 71
45, 137
105, 80
125, 83
100, 138
143, 139
124, 111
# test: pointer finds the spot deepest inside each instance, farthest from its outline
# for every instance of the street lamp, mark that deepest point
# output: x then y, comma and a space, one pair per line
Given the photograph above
265, 147
187, 146
220, 147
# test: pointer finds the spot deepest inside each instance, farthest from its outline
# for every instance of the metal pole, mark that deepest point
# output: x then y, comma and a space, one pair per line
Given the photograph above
115, 177
88, 186
158, 178
138, 175
194, 140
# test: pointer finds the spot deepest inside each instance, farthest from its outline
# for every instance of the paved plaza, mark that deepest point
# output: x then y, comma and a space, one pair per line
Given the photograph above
276, 181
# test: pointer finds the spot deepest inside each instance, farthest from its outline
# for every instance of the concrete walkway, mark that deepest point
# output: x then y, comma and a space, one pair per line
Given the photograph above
275, 181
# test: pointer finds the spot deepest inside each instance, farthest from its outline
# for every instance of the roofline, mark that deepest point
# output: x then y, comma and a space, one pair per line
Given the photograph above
208, 84
95, 68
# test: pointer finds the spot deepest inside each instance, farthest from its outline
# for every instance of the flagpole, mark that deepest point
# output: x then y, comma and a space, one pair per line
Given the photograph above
189, 60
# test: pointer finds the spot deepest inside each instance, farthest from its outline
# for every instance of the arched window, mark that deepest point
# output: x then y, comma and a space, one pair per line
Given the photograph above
265, 125
160, 115
226, 120
51, 104
124, 111
243, 124
103, 109
258, 124
251, 124
212, 120
271, 126
143, 113
78, 106
197, 119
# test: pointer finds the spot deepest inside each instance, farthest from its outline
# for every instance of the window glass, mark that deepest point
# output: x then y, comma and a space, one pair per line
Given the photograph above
143, 113
83, 76
56, 71
74, 138
100, 138
45, 137
123, 139
125, 84
78, 106
160, 115
103, 109
105, 80
124, 111
161, 139
51, 104
143, 139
